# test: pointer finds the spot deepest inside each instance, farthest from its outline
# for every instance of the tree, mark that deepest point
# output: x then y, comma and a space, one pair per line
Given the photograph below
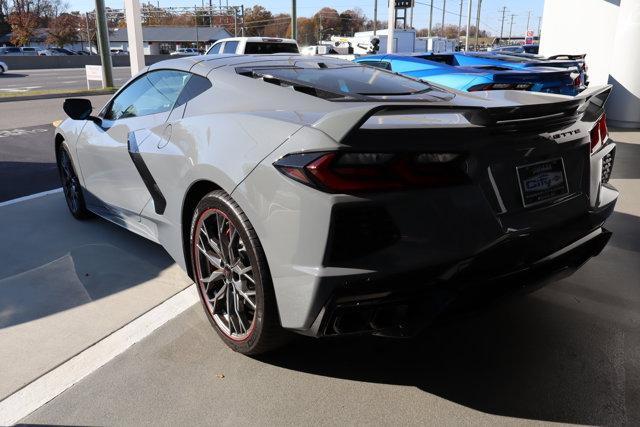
327, 22
23, 27
280, 26
63, 30
307, 34
256, 19
352, 21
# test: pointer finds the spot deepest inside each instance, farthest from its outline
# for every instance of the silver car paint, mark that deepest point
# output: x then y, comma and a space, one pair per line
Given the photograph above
232, 141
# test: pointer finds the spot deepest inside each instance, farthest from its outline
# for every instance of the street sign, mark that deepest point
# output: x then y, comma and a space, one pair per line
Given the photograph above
529, 33
94, 73
404, 4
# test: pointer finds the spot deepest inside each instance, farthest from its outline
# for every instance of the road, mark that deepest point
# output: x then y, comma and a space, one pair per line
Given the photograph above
27, 158
24, 81
567, 353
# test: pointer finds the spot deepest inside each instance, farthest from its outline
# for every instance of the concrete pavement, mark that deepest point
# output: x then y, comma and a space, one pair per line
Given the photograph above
567, 353
24, 81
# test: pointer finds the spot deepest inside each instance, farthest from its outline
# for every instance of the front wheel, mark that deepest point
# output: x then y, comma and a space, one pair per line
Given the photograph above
71, 185
232, 276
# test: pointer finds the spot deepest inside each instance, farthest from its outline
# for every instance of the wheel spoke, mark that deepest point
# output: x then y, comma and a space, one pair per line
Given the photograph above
216, 262
217, 296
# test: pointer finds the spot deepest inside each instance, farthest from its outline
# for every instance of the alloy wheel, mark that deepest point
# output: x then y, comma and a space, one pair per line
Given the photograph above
70, 183
225, 274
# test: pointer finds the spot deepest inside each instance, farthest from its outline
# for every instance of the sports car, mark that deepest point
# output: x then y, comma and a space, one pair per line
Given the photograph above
500, 61
538, 79
319, 196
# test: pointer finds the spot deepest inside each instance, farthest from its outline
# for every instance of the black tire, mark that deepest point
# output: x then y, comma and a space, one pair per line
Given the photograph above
264, 333
71, 185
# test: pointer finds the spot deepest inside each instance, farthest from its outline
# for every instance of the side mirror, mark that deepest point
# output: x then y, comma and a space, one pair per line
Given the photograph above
77, 108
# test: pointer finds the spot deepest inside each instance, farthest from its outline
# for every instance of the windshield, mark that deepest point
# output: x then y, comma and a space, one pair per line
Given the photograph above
346, 80
269, 48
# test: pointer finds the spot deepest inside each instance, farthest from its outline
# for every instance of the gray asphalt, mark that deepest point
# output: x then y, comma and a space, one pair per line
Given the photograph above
24, 81
27, 158
567, 353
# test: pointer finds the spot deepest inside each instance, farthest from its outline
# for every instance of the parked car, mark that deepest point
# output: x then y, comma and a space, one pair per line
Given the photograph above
504, 62
327, 198
185, 51
526, 48
56, 51
253, 45
81, 52
537, 79
30, 51
11, 51
118, 51
3, 67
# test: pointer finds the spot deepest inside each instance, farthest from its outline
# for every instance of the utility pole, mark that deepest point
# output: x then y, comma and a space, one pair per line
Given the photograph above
539, 26
375, 17
444, 8
466, 38
430, 19
294, 20
528, 18
504, 10
460, 21
511, 27
478, 22
391, 26
86, 20
103, 44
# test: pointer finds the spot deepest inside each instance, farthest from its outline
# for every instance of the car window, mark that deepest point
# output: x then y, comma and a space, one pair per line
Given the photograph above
378, 64
230, 47
152, 93
269, 48
215, 49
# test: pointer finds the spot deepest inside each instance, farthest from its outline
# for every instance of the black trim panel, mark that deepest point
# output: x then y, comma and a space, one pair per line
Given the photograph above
159, 201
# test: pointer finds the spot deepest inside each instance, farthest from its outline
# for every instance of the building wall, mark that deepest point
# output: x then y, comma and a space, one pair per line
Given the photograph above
581, 26
608, 31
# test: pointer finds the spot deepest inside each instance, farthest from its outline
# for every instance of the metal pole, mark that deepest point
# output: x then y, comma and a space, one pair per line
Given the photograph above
466, 38
375, 17
511, 27
504, 10
235, 21
294, 20
478, 22
460, 21
539, 26
86, 20
210, 13
102, 32
242, 11
391, 26
444, 8
430, 18
528, 18
411, 17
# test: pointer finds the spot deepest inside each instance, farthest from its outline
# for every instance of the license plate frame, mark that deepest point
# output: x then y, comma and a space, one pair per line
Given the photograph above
542, 182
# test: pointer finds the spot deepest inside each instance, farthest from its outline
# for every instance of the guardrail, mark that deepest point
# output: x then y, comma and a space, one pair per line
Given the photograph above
71, 61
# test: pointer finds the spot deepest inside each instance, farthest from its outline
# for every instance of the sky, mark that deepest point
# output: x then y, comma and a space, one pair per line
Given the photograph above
490, 17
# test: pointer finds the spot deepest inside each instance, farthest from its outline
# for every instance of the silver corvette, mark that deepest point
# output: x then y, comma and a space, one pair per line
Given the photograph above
319, 196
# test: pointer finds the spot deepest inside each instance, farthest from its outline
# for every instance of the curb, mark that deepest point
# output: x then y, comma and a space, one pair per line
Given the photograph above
47, 387
57, 95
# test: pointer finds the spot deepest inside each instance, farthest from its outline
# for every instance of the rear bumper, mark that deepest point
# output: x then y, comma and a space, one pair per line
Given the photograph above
403, 305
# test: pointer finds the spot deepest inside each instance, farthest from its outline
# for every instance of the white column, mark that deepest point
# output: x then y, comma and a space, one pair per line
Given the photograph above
391, 27
134, 34
623, 106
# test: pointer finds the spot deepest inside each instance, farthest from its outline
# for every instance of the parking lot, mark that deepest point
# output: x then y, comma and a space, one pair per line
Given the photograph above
25, 81
567, 353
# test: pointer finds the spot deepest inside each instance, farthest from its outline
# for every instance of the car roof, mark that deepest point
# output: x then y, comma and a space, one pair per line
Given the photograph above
258, 39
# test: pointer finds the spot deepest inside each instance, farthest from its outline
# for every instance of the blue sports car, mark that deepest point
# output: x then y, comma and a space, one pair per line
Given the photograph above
474, 79
508, 61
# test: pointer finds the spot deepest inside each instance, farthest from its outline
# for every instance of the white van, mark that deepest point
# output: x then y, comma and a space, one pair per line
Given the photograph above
253, 45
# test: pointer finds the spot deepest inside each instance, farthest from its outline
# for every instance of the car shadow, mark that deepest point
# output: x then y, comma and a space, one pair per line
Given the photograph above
560, 354
10, 74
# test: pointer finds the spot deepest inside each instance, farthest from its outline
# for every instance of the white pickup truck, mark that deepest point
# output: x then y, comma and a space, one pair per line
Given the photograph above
253, 45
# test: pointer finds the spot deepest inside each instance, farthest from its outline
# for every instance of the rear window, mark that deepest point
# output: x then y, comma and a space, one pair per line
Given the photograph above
269, 48
343, 80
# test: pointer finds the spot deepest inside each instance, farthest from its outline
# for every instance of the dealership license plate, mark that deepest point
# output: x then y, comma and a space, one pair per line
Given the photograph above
542, 181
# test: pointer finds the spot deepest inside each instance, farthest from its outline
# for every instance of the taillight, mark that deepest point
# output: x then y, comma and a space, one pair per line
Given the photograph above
577, 82
350, 172
501, 86
599, 134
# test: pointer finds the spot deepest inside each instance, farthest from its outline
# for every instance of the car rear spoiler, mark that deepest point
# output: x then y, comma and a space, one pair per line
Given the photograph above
568, 57
546, 116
